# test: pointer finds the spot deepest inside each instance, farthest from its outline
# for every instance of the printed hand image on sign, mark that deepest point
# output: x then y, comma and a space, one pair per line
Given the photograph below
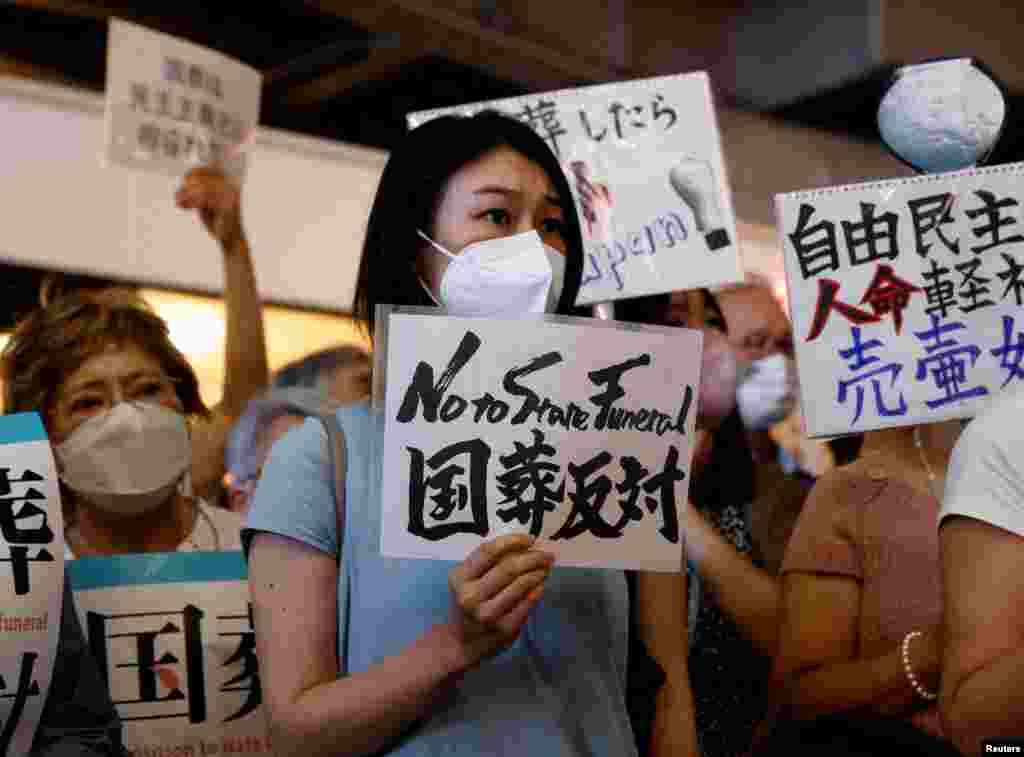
173, 636
31, 577
906, 297
579, 435
644, 159
173, 105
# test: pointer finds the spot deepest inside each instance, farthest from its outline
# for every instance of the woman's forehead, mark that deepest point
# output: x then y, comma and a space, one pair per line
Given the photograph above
504, 168
112, 361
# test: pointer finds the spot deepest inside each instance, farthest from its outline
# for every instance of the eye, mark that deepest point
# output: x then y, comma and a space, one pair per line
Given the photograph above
498, 216
552, 226
150, 389
713, 320
85, 404
146, 388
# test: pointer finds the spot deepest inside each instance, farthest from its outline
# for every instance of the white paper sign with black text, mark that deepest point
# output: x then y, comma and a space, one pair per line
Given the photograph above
173, 637
579, 435
644, 159
906, 297
31, 577
173, 105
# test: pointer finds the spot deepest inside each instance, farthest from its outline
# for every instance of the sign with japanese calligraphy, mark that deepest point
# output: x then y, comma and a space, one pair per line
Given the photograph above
577, 434
172, 105
172, 634
906, 297
644, 159
31, 577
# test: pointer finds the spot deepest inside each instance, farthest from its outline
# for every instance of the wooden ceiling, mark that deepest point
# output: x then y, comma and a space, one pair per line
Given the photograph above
351, 70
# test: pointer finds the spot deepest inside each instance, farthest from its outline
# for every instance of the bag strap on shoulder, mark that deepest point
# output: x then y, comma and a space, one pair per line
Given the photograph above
338, 452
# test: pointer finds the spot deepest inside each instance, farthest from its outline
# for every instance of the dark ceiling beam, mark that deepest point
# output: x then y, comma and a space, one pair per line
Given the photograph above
80, 9
21, 69
179, 26
465, 40
382, 65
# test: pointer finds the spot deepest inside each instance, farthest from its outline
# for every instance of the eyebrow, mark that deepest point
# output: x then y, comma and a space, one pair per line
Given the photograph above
509, 192
100, 382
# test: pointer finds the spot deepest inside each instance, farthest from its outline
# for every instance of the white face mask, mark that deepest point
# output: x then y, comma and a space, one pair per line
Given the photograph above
503, 276
767, 393
127, 461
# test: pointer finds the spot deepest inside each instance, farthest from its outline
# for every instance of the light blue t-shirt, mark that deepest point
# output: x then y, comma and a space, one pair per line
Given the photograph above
560, 689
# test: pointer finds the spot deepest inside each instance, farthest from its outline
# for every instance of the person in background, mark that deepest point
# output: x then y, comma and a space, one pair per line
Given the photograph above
733, 604
266, 419
341, 374
504, 653
982, 537
762, 338
119, 403
861, 632
755, 321
773, 514
217, 200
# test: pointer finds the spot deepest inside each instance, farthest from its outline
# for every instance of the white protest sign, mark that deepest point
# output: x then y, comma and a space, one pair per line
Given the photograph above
644, 159
580, 435
172, 634
905, 297
173, 105
31, 577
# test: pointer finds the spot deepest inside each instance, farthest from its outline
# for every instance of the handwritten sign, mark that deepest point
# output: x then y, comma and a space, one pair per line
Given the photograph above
906, 297
644, 159
577, 434
172, 105
31, 577
173, 635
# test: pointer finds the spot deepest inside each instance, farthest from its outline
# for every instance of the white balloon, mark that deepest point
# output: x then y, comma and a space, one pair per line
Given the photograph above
942, 116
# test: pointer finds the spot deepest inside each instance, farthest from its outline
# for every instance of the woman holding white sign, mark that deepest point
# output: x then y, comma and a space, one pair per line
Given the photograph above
362, 655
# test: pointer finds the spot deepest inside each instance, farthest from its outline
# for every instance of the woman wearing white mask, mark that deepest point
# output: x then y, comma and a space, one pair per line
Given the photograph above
503, 653
117, 399
733, 602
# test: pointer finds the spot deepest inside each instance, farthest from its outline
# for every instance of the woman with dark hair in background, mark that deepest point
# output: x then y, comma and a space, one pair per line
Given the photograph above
504, 653
733, 603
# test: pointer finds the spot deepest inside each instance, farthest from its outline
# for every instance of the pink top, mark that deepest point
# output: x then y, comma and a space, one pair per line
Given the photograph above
881, 531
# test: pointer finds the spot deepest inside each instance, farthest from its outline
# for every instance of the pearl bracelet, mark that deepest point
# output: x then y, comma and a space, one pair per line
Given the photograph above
915, 684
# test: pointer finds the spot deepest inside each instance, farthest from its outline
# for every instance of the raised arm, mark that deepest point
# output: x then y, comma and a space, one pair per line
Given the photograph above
662, 618
748, 595
218, 200
314, 712
983, 667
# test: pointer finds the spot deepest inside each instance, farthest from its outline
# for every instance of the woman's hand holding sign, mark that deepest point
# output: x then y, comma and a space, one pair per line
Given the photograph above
493, 591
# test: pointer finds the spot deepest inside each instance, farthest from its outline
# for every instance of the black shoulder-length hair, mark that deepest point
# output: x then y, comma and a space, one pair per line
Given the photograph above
410, 190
